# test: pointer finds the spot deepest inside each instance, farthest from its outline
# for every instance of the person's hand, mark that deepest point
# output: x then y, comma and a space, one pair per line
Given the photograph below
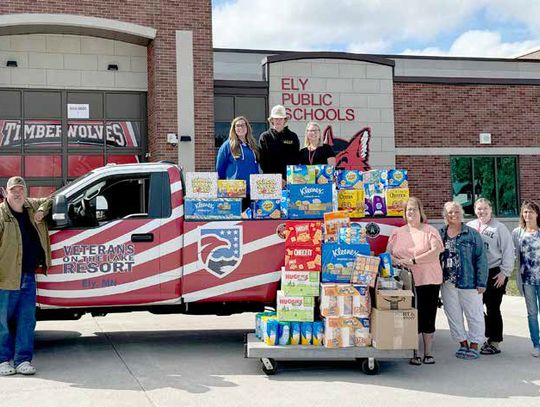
481, 290
38, 216
499, 280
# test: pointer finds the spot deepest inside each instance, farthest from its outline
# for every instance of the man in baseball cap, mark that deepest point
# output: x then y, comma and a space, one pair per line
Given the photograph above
279, 146
24, 248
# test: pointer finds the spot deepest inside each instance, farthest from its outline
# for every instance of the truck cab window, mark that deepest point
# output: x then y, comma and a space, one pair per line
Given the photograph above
113, 198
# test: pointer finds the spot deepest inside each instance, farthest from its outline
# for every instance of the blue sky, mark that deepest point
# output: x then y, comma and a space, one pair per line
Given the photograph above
481, 28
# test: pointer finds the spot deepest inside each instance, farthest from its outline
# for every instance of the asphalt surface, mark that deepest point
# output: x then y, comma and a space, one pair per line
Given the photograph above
140, 359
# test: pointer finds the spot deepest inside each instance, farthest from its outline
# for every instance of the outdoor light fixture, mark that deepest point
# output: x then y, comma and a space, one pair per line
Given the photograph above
11, 63
112, 67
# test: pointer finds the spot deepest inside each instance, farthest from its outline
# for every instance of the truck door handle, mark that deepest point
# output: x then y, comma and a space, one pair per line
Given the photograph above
142, 237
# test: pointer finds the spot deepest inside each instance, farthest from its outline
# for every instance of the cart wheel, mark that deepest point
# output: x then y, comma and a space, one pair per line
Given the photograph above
269, 366
370, 366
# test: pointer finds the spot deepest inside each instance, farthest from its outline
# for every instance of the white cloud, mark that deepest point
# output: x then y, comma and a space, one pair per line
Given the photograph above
350, 25
478, 43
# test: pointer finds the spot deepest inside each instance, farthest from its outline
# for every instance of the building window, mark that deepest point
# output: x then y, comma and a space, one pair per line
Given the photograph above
493, 178
226, 108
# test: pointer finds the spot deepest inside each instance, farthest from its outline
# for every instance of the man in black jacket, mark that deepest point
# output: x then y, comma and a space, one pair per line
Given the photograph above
279, 146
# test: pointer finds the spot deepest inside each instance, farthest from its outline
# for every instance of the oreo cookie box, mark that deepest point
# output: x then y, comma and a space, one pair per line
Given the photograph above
218, 208
338, 261
310, 201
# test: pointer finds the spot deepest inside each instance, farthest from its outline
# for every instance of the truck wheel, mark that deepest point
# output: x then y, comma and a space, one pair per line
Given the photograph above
269, 366
370, 366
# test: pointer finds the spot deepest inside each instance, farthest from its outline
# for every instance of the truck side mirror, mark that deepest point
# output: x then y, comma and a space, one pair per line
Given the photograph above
60, 211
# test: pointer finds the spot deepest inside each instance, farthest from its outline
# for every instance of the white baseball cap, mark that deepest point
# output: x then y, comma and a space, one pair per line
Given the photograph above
278, 112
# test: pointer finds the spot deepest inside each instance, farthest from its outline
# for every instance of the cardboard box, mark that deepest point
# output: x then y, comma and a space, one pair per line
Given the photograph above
201, 185
300, 283
343, 332
324, 174
355, 234
310, 200
333, 221
265, 186
397, 179
303, 258
231, 188
303, 233
393, 299
338, 261
218, 208
394, 329
266, 209
395, 201
365, 271
374, 200
349, 179
351, 200
300, 174
295, 308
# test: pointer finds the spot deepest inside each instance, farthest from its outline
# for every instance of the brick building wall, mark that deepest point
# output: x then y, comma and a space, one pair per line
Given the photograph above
166, 16
447, 116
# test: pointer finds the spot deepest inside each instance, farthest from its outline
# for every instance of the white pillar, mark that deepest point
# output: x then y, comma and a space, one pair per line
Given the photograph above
185, 99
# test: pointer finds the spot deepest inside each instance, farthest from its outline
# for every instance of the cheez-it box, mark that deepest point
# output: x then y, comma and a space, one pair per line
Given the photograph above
303, 258
303, 233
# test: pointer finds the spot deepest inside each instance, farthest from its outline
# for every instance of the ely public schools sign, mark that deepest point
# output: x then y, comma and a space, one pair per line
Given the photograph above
49, 133
350, 96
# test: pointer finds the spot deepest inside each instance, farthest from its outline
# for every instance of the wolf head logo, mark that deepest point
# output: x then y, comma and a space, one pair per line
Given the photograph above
352, 154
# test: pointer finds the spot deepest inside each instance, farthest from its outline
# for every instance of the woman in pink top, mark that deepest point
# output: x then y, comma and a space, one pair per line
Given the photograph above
417, 246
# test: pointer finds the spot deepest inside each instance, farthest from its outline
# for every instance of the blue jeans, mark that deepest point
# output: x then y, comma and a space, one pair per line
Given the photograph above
532, 300
18, 321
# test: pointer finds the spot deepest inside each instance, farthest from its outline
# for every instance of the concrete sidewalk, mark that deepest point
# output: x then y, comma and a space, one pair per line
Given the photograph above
140, 359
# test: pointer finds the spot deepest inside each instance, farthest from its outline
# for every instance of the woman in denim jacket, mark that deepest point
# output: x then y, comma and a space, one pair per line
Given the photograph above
465, 273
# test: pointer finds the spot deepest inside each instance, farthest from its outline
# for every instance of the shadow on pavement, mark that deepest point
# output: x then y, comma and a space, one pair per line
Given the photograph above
197, 361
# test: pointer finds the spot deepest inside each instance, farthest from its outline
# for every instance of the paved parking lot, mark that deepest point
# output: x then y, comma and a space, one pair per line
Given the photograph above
140, 359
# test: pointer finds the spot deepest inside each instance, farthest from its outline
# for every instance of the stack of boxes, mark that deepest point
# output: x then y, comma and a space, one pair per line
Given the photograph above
310, 190
300, 284
350, 192
265, 190
344, 306
394, 323
207, 198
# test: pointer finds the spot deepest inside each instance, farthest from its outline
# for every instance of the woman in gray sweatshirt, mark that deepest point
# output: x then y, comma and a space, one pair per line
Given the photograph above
500, 255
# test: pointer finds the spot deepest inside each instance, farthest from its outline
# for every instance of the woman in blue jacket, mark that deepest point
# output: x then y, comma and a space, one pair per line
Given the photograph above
465, 273
238, 156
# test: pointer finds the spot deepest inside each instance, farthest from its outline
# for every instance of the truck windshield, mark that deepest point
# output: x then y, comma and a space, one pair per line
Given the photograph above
59, 191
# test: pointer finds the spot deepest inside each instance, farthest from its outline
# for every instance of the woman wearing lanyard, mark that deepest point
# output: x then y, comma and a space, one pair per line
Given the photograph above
500, 255
527, 242
315, 152
238, 156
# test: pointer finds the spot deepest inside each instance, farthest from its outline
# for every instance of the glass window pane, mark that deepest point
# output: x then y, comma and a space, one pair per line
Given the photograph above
124, 134
40, 191
43, 166
94, 100
122, 159
484, 179
124, 106
10, 134
10, 104
10, 165
86, 133
81, 164
40, 134
507, 186
258, 129
461, 169
254, 108
223, 109
221, 131
42, 105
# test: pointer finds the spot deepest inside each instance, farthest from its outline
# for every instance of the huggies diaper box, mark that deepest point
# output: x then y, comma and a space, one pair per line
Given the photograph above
295, 308
303, 283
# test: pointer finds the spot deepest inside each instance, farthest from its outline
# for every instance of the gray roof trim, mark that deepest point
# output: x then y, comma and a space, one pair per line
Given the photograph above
328, 55
465, 81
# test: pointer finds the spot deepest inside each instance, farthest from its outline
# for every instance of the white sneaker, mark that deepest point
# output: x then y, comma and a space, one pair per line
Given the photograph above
25, 368
6, 369
536, 352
